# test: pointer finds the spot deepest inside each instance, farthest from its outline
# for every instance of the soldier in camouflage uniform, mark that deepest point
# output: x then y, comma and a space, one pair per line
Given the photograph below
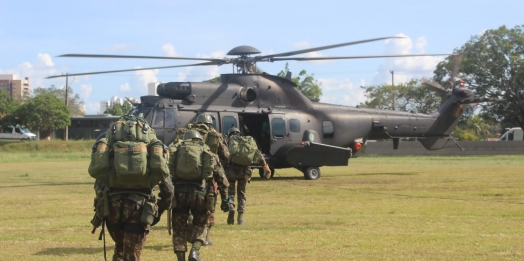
123, 221
197, 196
205, 122
240, 175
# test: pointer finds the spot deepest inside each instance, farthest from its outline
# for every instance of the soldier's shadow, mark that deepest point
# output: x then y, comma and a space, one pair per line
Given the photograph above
53, 251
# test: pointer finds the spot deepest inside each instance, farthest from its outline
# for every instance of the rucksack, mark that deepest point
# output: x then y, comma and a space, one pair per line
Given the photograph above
209, 136
130, 156
191, 161
243, 149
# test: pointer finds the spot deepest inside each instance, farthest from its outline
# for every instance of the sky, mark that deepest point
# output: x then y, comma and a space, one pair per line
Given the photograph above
34, 33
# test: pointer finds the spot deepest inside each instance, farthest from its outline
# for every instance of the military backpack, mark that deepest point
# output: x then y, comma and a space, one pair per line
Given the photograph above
129, 156
191, 161
243, 149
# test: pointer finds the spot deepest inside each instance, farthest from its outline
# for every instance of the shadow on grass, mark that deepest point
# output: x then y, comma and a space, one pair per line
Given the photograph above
58, 251
387, 174
48, 184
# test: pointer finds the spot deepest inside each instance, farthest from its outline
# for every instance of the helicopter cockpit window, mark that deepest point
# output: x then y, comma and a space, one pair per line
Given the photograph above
227, 123
327, 130
170, 118
279, 128
158, 120
294, 125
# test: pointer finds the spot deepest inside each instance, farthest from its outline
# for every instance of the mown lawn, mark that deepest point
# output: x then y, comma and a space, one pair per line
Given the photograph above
376, 208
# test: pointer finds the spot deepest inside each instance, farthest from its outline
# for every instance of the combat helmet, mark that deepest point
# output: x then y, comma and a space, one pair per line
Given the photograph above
192, 134
205, 118
233, 131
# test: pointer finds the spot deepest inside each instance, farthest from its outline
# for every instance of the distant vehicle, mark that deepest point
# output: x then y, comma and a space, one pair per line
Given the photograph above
512, 134
17, 133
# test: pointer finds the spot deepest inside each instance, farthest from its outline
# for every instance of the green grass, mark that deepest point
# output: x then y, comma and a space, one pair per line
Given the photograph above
376, 208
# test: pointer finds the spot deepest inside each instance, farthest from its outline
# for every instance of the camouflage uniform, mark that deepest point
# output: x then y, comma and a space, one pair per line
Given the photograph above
223, 155
198, 198
240, 175
123, 221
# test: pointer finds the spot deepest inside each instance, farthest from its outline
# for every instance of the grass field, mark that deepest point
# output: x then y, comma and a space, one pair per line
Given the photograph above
377, 208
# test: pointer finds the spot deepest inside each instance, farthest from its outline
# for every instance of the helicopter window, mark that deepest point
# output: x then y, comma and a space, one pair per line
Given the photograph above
170, 118
279, 128
294, 125
227, 123
327, 129
214, 122
158, 120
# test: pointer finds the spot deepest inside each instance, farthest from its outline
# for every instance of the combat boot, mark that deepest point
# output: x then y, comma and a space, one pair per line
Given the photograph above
193, 256
240, 218
180, 256
208, 242
231, 217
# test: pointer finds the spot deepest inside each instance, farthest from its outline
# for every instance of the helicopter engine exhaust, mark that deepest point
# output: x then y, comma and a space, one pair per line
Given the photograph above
247, 94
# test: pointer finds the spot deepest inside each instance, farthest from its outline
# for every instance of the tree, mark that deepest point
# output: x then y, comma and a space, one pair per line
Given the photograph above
119, 110
73, 100
410, 96
44, 113
306, 83
493, 67
8, 106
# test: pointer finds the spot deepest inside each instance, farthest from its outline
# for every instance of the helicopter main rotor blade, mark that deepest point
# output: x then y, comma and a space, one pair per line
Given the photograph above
132, 70
141, 57
325, 47
353, 57
435, 85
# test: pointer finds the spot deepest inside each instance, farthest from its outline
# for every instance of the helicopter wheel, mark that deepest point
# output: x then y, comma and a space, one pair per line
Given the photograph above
311, 173
261, 172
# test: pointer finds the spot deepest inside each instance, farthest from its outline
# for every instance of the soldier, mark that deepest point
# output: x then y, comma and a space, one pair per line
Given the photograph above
194, 169
216, 144
129, 211
239, 172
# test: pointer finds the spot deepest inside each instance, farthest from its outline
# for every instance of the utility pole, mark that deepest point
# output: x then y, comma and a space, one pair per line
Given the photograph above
66, 87
393, 90
66, 103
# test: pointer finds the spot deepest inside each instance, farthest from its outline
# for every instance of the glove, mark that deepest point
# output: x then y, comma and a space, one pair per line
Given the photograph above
157, 218
224, 206
267, 171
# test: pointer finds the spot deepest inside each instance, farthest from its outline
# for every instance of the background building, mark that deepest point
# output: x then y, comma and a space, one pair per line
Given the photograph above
151, 88
18, 89
104, 105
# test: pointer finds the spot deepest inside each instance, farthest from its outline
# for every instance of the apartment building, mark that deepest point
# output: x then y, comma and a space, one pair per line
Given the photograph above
17, 88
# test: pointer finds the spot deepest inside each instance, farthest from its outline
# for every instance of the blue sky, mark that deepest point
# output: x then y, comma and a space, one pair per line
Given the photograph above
34, 33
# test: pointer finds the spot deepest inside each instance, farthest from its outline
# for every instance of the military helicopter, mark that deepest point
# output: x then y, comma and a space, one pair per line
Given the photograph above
290, 130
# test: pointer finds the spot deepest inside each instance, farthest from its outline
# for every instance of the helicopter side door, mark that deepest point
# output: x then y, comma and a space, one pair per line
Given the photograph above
279, 135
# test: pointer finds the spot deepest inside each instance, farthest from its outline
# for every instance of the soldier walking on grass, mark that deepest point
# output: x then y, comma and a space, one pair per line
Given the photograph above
127, 163
194, 170
244, 152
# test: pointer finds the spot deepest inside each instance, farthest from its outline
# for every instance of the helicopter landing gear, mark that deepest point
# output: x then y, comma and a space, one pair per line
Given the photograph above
261, 172
311, 173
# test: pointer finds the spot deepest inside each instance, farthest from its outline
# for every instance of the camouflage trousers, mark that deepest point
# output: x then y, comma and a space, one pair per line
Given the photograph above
125, 228
187, 200
238, 177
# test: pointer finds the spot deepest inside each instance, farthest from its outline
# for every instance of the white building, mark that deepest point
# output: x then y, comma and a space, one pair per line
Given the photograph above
151, 88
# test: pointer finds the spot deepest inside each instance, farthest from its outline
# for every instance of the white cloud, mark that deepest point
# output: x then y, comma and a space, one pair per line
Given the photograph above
85, 91
169, 50
145, 77
45, 60
125, 87
341, 92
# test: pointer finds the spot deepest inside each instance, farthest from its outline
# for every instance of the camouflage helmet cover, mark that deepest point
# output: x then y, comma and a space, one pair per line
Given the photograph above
233, 130
192, 134
205, 118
